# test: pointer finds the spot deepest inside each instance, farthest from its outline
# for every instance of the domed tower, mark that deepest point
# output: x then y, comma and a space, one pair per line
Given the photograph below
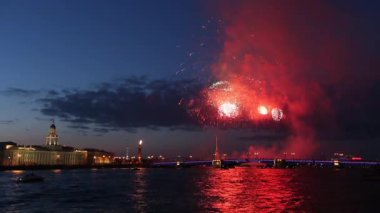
52, 138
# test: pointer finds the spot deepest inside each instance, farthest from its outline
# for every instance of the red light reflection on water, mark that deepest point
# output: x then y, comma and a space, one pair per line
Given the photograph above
251, 190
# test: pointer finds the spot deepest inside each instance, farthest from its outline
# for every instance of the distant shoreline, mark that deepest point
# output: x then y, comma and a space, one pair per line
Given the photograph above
10, 168
230, 164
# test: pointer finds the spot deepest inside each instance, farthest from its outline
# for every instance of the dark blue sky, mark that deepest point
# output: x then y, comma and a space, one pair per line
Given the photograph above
61, 44
82, 62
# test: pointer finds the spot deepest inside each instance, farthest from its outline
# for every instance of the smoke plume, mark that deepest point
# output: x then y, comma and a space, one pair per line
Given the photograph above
300, 55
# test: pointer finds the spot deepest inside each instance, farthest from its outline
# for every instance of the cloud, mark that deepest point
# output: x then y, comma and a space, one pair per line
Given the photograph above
133, 103
19, 92
52, 93
7, 122
79, 127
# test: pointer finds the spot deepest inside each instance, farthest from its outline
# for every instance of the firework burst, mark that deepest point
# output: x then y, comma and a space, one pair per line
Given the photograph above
236, 101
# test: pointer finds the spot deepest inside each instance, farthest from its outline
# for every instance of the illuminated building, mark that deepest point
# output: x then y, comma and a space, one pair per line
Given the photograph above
217, 163
336, 163
52, 138
279, 163
98, 157
52, 154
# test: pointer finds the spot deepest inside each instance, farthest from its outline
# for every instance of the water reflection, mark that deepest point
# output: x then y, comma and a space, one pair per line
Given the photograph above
250, 190
140, 190
16, 172
57, 171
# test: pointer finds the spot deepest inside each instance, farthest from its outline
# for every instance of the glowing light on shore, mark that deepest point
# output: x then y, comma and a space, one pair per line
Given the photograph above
140, 143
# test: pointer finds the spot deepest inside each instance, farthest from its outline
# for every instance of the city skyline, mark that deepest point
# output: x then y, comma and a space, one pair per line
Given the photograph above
111, 74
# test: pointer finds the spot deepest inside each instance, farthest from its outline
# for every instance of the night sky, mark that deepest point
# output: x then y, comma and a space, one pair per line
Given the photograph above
113, 72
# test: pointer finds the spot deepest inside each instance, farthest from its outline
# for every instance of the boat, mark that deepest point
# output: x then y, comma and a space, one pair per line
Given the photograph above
29, 178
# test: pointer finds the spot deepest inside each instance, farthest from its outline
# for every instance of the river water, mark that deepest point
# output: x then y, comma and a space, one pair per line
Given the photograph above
191, 190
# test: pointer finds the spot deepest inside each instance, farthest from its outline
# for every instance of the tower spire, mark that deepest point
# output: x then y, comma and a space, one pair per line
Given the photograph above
217, 157
216, 162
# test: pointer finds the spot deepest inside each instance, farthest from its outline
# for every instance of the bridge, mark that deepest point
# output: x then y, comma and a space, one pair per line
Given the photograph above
270, 163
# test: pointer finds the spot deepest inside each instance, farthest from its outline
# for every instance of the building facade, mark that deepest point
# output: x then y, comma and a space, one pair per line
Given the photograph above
52, 154
40, 156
